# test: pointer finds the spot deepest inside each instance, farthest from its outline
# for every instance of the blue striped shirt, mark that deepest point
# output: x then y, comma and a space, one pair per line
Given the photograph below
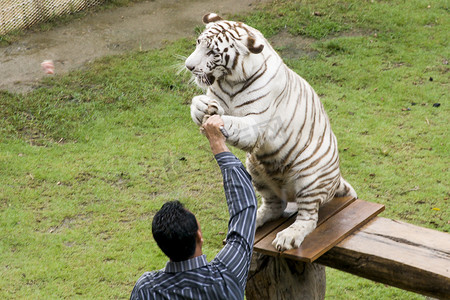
225, 276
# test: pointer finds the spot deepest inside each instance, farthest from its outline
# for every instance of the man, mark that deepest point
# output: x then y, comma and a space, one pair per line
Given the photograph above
188, 275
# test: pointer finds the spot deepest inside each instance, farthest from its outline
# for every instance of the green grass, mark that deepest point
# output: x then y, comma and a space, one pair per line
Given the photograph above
88, 158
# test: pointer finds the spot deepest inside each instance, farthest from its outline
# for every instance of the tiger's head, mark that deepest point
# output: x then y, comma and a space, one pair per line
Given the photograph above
222, 50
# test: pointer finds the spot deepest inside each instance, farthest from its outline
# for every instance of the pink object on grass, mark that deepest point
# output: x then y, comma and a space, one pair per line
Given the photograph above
48, 66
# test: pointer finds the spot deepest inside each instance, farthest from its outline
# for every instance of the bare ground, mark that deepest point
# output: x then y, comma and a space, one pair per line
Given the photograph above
140, 26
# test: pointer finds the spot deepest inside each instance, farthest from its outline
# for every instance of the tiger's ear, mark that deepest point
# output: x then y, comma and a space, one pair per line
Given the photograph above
252, 45
211, 17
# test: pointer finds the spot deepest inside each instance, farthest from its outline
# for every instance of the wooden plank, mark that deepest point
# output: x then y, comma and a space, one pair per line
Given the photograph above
332, 207
337, 228
325, 212
327, 234
398, 254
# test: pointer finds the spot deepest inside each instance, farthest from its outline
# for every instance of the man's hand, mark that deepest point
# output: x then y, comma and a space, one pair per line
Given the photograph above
216, 138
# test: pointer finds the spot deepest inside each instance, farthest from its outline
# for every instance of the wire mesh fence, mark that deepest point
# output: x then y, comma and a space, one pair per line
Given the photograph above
18, 14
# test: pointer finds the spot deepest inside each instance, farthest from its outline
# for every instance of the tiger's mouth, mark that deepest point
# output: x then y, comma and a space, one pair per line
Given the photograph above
204, 78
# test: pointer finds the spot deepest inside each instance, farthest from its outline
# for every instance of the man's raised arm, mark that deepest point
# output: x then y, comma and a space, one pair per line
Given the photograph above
241, 201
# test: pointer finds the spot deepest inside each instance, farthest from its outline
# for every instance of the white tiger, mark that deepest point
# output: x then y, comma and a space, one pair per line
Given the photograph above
275, 116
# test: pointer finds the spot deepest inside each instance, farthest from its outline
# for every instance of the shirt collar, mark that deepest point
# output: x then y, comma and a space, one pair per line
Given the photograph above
186, 265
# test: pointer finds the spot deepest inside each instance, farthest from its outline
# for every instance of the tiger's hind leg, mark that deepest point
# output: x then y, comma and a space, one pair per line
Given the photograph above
345, 189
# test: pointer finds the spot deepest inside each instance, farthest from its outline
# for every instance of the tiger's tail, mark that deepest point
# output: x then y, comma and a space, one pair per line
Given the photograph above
345, 189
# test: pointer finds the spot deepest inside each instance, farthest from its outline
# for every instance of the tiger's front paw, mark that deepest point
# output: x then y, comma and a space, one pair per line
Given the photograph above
293, 236
204, 106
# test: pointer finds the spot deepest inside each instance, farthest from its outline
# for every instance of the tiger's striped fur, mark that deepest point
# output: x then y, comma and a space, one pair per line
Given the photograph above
275, 116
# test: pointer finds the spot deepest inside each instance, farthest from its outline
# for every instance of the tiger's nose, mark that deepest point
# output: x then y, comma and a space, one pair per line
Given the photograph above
190, 68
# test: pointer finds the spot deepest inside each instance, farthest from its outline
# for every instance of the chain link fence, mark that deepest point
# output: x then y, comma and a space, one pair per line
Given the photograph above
18, 14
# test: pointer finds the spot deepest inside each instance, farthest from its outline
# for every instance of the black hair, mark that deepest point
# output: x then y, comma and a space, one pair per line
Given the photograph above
175, 229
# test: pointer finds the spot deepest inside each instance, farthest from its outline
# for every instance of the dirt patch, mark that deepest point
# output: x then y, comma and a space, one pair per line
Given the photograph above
140, 26
293, 47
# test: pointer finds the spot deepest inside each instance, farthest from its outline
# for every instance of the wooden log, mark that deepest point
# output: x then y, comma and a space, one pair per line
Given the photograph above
277, 278
398, 254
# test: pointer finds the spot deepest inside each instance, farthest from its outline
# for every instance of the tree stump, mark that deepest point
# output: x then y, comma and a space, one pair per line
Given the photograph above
277, 278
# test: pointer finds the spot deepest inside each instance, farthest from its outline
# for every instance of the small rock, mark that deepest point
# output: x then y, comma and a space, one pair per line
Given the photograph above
436, 104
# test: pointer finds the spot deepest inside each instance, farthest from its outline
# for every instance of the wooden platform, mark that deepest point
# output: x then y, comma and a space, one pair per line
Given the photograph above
337, 220
350, 237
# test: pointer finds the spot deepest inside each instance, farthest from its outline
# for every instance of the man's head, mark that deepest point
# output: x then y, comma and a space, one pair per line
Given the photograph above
175, 230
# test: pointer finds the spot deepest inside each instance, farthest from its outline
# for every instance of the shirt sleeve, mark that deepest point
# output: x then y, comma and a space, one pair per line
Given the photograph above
242, 205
